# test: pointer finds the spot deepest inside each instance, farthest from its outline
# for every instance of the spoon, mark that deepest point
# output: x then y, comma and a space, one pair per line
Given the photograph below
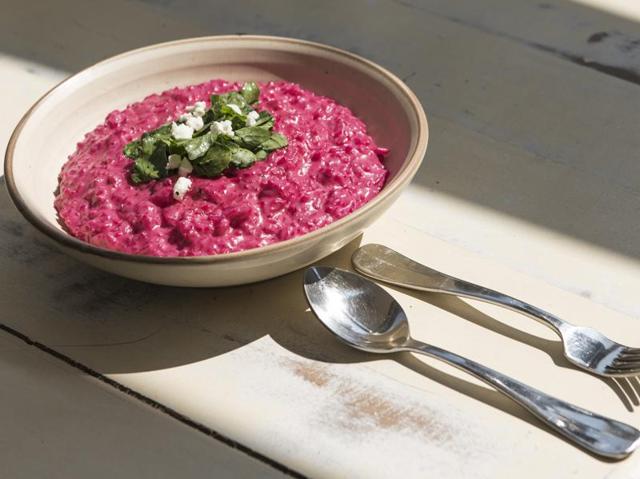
366, 317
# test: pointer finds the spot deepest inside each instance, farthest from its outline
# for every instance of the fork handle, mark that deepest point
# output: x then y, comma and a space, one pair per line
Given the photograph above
598, 434
389, 266
466, 289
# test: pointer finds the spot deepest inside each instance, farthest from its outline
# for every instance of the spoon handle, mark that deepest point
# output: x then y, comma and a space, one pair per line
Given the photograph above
598, 434
384, 264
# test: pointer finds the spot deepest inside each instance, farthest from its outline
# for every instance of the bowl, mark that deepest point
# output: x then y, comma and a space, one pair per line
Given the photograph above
50, 130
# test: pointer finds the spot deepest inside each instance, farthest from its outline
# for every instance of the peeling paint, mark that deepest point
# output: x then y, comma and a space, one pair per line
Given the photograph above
364, 408
313, 374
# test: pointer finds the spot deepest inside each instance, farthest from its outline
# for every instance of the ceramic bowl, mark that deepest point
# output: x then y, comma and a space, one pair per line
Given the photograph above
49, 131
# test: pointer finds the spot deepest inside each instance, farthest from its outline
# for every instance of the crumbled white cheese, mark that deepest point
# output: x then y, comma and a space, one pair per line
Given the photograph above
235, 108
185, 168
195, 122
174, 162
198, 109
222, 128
181, 132
252, 118
181, 187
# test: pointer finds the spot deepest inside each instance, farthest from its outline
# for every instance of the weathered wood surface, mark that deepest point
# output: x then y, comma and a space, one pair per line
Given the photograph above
56, 423
534, 111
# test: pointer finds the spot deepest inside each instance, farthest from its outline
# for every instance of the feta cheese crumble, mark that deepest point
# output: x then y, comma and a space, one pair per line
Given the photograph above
181, 187
252, 118
181, 132
222, 128
235, 108
197, 107
196, 110
185, 167
195, 122
174, 162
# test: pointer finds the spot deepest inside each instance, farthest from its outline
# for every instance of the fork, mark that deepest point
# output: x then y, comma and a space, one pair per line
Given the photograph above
584, 347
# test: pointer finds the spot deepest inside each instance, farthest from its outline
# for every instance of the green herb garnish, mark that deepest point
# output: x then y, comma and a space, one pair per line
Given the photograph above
229, 134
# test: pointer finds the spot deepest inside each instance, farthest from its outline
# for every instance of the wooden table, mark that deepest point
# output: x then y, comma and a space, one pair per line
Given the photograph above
530, 186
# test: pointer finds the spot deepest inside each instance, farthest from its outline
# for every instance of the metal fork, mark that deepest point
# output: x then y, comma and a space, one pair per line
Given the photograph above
585, 347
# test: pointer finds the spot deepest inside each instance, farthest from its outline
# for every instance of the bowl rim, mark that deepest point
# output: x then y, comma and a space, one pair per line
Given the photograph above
65, 239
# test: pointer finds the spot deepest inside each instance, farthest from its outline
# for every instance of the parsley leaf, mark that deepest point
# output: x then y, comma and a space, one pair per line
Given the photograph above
243, 158
275, 142
151, 168
250, 92
265, 120
143, 171
159, 159
252, 136
217, 159
197, 147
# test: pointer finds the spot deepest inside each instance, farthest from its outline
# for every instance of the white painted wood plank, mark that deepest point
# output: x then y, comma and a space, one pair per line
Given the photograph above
597, 34
58, 423
622, 8
254, 364
22, 84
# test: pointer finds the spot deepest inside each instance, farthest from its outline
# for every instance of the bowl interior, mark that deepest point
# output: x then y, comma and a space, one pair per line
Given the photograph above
51, 130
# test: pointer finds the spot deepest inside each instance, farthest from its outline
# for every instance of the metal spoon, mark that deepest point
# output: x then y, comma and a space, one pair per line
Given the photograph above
366, 317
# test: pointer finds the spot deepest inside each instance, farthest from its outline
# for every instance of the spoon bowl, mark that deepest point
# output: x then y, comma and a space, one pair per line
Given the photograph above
356, 310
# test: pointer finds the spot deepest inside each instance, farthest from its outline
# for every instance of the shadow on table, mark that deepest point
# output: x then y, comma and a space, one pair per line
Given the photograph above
626, 389
116, 325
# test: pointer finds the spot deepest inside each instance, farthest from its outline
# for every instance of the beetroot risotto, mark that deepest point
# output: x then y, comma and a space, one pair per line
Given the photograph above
216, 168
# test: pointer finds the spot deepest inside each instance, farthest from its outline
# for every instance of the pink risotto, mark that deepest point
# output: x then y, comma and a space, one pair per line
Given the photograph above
330, 168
